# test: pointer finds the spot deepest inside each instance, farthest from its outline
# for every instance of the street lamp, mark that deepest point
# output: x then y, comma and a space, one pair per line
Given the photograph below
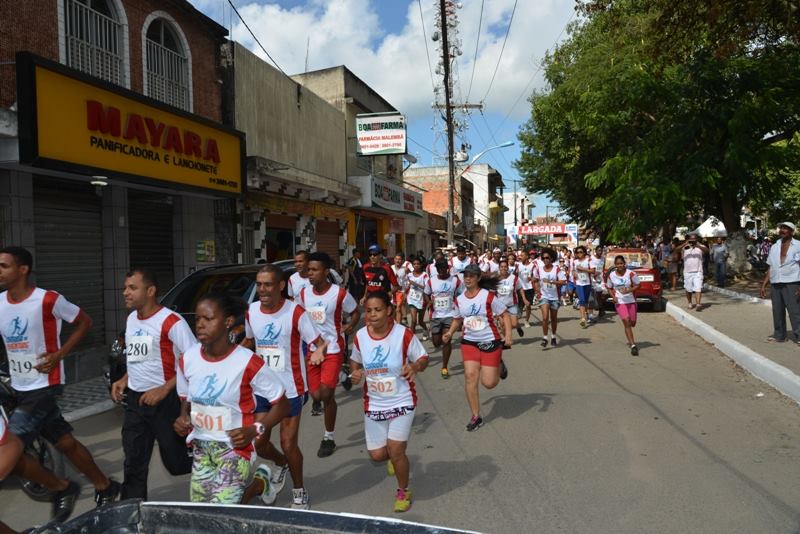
451, 190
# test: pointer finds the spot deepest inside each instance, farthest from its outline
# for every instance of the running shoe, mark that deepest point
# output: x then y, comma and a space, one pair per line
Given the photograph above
634, 350
583, 323
773, 339
445, 373
316, 408
527, 324
345, 378
503, 370
326, 448
64, 502
299, 499
108, 495
424, 337
474, 423
402, 500
544, 342
389, 468
553, 341
264, 474
279, 477
520, 331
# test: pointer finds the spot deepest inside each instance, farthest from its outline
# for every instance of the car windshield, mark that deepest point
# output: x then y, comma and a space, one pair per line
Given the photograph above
634, 259
185, 295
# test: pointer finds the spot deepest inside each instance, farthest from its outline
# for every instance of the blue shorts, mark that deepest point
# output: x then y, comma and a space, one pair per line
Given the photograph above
570, 287
296, 403
37, 413
583, 294
553, 304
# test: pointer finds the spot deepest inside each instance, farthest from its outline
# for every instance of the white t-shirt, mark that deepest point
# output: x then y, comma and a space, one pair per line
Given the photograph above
326, 312
152, 346
490, 267
548, 280
31, 328
383, 361
296, 284
416, 289
507, 290
443, 294
280, 337
692, 260
478, 313
401, 274
222, 392
616, 282
457, 266
526, 274
582, 278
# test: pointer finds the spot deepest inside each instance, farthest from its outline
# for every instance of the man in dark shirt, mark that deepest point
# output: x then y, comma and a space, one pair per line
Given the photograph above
378, 273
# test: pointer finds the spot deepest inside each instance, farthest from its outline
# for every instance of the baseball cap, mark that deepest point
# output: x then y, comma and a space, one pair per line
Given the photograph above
496, 249
788, 224
374, 248
472, 269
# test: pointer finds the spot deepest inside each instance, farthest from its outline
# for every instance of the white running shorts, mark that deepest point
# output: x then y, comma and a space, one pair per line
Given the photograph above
378, 432
693, 282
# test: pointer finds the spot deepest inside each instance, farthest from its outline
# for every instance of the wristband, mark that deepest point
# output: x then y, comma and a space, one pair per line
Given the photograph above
259, 429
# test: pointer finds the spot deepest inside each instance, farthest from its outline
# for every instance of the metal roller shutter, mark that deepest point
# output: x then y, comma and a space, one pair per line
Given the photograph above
328, 239
150, 234
69, 247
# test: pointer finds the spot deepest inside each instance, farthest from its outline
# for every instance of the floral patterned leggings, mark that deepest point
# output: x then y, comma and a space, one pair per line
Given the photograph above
219, 474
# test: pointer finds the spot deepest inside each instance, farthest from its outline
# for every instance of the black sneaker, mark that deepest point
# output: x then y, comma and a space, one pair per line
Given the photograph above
474, 423
503, 370
544, 342
326, 448
634, 350
109, 494
520, 331
553, 341
64, 502
316, 408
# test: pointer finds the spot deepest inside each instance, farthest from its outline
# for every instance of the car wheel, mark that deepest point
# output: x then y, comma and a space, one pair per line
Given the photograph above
659, 305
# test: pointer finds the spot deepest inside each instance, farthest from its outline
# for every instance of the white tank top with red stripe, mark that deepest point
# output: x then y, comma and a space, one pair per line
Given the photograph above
325, 311
152, 345
30, 328
479, 313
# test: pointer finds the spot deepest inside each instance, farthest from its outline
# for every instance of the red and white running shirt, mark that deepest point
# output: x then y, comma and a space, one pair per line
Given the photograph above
479, 313
401, 274
548, 279
325, 311
490, 267
416, 289
30, 328
383, 360
443, 294
296, 285
152, 345
222, 392
507, 290
280, 337
3, 426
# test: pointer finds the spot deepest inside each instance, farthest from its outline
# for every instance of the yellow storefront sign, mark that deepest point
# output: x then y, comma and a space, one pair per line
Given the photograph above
88, 125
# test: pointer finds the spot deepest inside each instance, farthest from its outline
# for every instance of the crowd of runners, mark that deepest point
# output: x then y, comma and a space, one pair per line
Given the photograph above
218, 404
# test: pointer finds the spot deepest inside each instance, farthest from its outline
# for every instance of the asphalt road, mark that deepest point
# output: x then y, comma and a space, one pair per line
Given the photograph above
579, 438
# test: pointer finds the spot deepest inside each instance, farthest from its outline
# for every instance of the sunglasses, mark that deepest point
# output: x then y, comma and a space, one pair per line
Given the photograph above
374, 254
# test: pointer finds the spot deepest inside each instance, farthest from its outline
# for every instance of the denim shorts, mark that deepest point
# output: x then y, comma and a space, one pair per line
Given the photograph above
37, 413
554, 304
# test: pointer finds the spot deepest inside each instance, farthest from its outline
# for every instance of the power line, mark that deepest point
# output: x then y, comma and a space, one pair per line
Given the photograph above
422, 146
508, 30
253, 35
475, 59
425, 40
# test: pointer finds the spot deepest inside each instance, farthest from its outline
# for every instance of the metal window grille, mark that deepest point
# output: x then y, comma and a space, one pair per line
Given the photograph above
94, 42
167, 75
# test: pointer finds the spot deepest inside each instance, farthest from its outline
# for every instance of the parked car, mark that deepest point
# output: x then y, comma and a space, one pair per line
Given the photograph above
237, 280
641, 262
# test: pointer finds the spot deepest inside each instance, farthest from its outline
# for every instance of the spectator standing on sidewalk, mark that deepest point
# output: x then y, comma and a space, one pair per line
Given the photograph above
719, 255
784, 277
674, 263
692, 252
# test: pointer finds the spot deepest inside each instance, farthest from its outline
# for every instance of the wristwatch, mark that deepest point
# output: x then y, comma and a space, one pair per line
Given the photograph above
259, 429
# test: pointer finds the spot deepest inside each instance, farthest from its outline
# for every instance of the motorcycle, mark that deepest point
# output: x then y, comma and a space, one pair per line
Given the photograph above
117, 365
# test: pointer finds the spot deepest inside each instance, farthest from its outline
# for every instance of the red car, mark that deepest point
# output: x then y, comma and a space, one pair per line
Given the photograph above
641, 262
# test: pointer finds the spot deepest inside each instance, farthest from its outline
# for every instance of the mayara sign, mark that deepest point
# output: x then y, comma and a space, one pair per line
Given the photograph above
380, 134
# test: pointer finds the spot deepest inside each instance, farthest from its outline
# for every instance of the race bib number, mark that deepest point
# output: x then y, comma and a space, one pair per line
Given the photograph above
583, 277
274, 357
475, 323
317, 314
212, 420
23, 366
414, 295
548, 285
504, 290
138, 348
385, 386
443, 303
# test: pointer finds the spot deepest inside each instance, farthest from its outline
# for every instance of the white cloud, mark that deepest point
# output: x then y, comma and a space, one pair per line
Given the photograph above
349, 32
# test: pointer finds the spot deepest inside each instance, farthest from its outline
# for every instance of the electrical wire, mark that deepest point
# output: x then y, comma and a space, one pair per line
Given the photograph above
508, 30
425, 40
475, 59
253, 35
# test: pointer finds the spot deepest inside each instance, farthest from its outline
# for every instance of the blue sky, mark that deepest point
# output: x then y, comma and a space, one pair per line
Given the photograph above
382, 42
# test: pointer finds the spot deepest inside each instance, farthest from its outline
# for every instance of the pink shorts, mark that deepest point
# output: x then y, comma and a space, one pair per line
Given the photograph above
627, 311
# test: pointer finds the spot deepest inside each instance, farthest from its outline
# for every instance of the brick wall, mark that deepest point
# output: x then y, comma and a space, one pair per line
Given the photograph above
33, 26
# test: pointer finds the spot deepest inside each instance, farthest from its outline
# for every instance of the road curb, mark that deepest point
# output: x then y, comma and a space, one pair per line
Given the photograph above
88, 411
737, 295
777, 376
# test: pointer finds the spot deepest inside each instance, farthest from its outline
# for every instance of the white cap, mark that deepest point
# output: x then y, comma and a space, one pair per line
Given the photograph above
497, 249
789, 225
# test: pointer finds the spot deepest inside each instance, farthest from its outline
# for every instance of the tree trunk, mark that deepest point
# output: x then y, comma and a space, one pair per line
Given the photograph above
737, 248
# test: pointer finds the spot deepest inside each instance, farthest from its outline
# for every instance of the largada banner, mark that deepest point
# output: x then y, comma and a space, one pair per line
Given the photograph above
380, 134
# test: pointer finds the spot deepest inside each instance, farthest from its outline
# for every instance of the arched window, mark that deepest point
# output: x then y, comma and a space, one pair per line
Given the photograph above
167, 74
94, 38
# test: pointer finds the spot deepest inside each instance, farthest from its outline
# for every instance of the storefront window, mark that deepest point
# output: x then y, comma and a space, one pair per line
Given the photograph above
366, 233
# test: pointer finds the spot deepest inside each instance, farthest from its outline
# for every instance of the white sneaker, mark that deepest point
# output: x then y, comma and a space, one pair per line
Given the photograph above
278, 478
299, 499
268, 494
527, 324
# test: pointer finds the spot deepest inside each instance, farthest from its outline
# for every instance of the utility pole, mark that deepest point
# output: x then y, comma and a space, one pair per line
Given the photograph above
451, 164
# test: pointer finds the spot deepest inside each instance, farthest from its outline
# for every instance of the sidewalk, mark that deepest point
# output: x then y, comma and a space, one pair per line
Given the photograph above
86, 398
739, 328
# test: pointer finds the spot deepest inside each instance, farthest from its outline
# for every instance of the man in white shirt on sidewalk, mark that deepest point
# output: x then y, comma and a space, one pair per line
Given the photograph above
784, 277
692, 251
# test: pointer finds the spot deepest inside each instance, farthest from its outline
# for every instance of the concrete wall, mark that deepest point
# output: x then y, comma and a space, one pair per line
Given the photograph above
434, 200
300, 130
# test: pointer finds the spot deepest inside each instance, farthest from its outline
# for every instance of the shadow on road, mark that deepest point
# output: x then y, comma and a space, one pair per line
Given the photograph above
512, 406
451, 476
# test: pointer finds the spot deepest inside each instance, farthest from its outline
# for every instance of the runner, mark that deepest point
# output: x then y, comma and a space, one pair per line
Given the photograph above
513, 267
278, 330
30, 325
507, 291
582, 274
442, 290
390, 356
621, 285
481, 347
491, 267
378, 274
527, 294
155, 337
416, 298
598, 284
325, 305
401, 274
430, 270
218, 382
355, 276
460, 262
299, 279
550, 278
